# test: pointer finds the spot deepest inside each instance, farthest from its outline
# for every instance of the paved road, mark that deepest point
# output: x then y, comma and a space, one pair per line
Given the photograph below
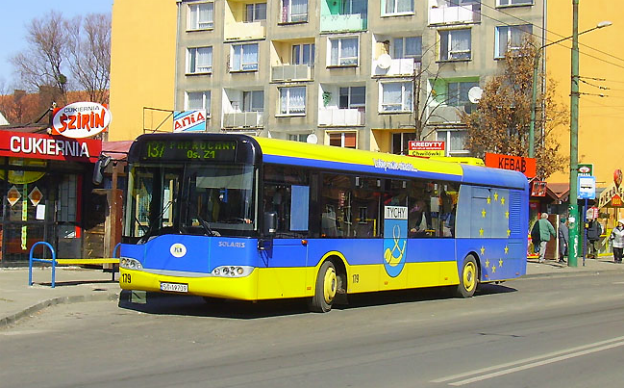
534, 332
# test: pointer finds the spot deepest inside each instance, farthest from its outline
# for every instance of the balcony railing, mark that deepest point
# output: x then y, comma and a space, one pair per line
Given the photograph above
455, 15
395, 67
245, 31
242, 120
341, 117
291, 73
348, 22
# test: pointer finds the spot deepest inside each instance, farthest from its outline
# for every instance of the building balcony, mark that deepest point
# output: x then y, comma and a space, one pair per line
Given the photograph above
245, 31
384, 66
448, 114
242, 120
285, 73
340, 23
340, 117
455, 15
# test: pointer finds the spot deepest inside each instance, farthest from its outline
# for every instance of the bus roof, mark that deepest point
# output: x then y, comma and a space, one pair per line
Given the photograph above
347, 159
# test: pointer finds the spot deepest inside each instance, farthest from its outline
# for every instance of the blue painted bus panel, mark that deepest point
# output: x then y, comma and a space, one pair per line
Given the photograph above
500, 259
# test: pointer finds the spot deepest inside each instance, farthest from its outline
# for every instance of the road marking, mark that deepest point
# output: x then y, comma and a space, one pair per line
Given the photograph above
531, 362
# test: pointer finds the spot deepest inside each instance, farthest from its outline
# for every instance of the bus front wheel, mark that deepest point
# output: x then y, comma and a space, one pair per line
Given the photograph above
468, 278
326, 288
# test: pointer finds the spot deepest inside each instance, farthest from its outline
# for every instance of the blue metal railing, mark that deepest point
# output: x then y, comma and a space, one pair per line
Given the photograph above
32, 259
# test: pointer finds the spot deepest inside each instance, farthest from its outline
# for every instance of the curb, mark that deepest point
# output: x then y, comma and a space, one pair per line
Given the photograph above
11, 319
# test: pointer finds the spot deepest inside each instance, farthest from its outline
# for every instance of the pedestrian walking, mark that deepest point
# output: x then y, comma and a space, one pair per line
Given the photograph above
594, 231
563, 240
617, 241
543, 230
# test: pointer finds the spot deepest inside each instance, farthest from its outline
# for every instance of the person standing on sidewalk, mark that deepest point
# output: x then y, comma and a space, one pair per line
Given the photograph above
544, 229
617, 241
594, 230
563, 240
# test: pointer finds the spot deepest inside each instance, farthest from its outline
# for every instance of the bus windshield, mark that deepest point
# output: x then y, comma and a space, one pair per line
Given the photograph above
190, 199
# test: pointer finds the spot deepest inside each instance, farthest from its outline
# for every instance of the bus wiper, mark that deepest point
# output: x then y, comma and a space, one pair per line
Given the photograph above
206, 226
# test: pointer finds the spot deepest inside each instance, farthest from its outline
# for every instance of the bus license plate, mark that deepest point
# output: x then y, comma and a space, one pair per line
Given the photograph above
174, 287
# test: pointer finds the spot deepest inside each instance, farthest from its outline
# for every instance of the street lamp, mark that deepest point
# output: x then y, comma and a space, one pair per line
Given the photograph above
534, 85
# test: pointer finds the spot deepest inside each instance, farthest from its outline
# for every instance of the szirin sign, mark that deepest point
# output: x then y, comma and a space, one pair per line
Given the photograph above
80, 120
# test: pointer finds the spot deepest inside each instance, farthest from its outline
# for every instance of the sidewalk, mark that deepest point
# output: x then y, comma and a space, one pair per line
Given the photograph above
74, 284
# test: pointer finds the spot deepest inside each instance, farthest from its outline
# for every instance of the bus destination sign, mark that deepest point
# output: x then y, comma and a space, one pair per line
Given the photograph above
188, 150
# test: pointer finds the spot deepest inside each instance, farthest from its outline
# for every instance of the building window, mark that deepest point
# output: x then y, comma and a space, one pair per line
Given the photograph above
300, 137
460, 3
408, 47
303, 54
294, 11
354, 7
253, 101
455, 45
400, 142
514, 2
343, 139
352, 97
198, 101
293, 101
344, 51
457, 93
244, 57
398, 6
511, 38
455, 141
199, 60
255, 12
396, 97
201, 16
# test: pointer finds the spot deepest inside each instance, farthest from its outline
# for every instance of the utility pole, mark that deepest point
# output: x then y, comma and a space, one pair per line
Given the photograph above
574, 220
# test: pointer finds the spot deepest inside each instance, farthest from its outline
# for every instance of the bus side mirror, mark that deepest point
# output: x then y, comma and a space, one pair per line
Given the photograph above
270, 223
98, 170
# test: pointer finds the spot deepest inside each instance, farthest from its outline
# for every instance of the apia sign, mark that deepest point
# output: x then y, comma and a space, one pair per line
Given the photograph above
80, 120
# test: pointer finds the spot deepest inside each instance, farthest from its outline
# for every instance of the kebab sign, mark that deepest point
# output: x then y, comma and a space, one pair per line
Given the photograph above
80, 120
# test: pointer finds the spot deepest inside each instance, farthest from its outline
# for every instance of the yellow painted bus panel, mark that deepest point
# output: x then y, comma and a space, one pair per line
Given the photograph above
280, 283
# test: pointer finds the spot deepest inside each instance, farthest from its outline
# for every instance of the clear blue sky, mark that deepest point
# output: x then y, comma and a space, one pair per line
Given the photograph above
16, 15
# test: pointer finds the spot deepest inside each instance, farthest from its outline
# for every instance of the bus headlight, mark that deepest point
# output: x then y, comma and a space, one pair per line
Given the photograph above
232, 271
128, 263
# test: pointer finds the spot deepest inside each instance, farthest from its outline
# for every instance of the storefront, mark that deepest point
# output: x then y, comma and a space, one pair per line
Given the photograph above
47, 195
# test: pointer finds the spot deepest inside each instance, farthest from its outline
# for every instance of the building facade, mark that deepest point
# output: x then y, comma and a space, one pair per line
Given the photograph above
350, 73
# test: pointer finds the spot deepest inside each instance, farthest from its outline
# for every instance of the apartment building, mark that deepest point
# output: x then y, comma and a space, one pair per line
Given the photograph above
349, 73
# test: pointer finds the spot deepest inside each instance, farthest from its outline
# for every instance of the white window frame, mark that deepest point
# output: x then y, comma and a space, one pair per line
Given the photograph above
298, 58
452, 53
254, 12
289, 17
394, 4
417, 57
407, 98
524, 29
192, 59
300, 137
446, 135
349, 94
514, 3
341, 61
248, 101
195, 12
291, 110
242, 66
459, 98
206, 99
342, 138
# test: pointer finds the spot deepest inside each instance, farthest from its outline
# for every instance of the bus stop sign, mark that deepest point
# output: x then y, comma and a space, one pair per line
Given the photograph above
587, 187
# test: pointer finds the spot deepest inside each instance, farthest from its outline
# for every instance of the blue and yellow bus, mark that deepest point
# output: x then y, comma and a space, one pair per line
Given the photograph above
228, 216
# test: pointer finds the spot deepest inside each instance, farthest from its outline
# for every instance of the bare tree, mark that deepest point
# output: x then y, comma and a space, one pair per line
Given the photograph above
90, 54
501, 122
42, 63
65, 55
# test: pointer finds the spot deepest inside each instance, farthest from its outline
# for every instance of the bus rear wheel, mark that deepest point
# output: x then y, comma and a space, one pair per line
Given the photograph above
325, 289
468, 278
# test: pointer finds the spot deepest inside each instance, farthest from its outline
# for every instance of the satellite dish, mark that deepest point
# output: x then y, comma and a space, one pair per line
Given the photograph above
474, 94
384, 61
312, 139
